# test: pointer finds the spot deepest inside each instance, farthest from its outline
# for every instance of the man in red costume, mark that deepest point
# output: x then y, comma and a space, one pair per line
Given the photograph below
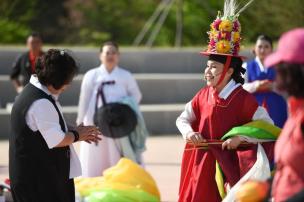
214, 110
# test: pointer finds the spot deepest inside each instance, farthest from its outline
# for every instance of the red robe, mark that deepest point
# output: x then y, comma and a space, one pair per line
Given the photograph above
215, 117
289, 152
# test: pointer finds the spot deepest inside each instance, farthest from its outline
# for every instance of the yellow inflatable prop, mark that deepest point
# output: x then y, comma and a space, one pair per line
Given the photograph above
124, 176
252, 191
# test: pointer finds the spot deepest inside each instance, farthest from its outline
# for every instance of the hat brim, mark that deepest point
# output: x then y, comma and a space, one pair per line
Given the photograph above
273, 59
115, 120
204, 53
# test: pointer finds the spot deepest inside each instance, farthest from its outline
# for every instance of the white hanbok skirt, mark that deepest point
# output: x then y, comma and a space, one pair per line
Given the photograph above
97, 158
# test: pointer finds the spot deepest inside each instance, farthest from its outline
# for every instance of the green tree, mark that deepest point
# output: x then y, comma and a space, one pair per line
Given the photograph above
47, 17
116, 20
272, 17
93, 21
12, 32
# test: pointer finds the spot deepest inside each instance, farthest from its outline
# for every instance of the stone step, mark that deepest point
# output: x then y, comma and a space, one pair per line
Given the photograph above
156, 88
160, 119
135, 60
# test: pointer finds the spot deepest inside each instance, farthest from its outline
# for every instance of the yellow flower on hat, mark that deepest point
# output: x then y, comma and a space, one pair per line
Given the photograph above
213, 34
226, 25
223, 46
212, 27
236, 36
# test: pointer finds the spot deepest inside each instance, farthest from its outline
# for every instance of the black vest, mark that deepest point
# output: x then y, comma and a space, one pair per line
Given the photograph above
43, 171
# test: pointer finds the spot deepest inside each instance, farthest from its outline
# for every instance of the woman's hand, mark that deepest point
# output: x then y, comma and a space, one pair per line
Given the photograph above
195, 138
88, 133
232, 143
265, 85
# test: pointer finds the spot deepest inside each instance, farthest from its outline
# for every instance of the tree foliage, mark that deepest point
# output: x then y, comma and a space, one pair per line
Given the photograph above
85, 22
47, 17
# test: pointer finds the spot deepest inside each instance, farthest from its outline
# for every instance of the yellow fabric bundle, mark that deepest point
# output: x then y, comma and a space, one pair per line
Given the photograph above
125, 175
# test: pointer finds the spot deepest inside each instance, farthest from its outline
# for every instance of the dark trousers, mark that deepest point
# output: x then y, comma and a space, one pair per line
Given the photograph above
43, 193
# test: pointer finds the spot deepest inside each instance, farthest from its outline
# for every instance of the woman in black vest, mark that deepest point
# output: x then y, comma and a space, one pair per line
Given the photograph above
42, 160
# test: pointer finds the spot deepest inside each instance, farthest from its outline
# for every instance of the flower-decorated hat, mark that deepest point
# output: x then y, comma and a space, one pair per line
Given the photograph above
225, 36
225, 33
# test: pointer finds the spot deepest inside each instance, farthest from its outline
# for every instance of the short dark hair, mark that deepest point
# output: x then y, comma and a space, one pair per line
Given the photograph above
56, 68
109, 43
264, 37
290, 79
36, 35
236, 64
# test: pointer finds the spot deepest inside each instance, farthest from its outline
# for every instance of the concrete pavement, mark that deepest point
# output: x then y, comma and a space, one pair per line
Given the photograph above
162, 158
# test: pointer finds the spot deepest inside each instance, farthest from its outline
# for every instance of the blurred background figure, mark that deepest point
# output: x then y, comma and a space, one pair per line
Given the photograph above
288, 182
259, 81
24, 65
289, 62
116, 84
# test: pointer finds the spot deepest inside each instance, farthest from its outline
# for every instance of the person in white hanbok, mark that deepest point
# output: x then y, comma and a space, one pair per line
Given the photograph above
95, 158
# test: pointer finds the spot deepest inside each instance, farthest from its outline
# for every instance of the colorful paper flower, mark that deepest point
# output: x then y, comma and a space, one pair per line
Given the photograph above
225, 35
226, 26
212, 43
236, 26
236, 37
223, 46
236, 48
216, 23
213, 34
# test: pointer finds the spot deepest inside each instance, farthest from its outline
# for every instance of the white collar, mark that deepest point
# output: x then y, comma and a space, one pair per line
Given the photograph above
34, 81
261, 66
227, 90
104, 69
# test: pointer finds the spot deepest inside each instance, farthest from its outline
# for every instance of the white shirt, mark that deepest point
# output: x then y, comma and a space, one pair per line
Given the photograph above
252, 86
184, 121
125, 85
43, 116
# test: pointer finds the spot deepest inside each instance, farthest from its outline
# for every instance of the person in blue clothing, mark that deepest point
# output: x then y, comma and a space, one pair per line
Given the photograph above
259, 81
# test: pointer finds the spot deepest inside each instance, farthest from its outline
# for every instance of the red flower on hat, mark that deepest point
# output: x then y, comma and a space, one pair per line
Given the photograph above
236, 48
225, 35
212, 42
216, 23
236, 26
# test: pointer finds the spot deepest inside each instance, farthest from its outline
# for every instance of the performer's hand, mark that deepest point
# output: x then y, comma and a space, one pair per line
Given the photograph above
88, 133
195, 138
232, 143
265, 85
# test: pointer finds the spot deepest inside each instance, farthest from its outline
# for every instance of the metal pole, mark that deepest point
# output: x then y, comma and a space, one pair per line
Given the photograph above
150, 21
179, 23
159, 24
